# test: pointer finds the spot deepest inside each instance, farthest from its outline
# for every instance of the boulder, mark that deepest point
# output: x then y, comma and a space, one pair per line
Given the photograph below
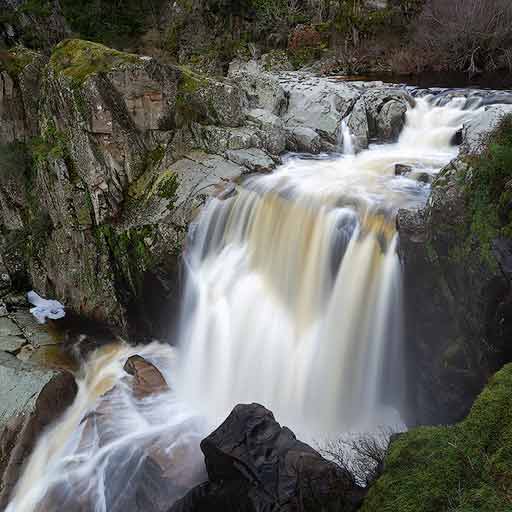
31, 399
386, 108
255, 160
263, 89
254, 464
147, 379
475, 130
303, 139
402, 169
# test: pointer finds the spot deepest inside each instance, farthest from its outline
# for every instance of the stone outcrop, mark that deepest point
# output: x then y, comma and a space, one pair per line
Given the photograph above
254, 464
458, 304
118, 151
31, 398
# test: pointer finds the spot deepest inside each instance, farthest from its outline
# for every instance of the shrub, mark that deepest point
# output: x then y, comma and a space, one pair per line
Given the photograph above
465, 35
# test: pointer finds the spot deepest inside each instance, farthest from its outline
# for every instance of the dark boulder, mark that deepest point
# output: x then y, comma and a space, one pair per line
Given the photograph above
256, 465
402, 169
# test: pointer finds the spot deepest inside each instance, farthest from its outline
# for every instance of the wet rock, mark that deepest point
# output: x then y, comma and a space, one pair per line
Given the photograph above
303, 139
402, 169
358, 125
423, 177
147, 378
386, 108
456, 305
475, 130
31, 399
254, 464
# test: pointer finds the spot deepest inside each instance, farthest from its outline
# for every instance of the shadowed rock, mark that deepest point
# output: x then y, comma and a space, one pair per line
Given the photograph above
254, 464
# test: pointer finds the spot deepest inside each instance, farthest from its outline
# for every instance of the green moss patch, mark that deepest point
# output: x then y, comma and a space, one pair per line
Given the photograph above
489, 192
463, 468
78, 59
16, 60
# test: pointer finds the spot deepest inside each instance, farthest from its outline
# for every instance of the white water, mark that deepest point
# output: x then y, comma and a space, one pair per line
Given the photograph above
347, 141
293, 300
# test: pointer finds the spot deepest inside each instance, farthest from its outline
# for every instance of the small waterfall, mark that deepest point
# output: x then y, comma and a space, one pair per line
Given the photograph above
345, 139
293, 299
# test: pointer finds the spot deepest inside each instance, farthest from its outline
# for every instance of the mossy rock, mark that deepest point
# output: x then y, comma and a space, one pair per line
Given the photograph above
16, 60
78, 59
462, 468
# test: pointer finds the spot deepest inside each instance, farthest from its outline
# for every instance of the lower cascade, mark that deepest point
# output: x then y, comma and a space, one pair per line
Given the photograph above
293, 300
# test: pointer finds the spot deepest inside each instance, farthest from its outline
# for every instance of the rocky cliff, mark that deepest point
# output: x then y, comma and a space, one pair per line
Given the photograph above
107, 155
457, 261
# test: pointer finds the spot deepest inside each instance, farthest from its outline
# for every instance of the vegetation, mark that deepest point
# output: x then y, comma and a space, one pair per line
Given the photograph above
16, 60
489, 191
78, 59
111, 22
463, 468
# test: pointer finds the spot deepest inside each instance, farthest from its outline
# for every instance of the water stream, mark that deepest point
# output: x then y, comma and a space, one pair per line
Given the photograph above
293, 300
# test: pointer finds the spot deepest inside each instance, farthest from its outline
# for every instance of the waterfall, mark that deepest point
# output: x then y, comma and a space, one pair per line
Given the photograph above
293, 299
345, 139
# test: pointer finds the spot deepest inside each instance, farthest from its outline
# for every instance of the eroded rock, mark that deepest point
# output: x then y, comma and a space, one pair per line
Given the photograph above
31, 398
254, 464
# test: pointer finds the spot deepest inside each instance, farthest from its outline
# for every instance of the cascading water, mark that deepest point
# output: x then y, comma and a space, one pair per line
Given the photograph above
293, 300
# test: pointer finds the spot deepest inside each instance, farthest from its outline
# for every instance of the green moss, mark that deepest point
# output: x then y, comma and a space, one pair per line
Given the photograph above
166, 186
50, 146
189, 85
16, 60
78, 59
489, 192
463, 468
129, 253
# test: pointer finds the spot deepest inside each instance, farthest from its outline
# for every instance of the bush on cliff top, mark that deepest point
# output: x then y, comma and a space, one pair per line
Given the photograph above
78, 59
462, 468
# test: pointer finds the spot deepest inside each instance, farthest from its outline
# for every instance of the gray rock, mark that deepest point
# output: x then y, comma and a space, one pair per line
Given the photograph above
263, 89
386, 108
303, 139
30, 399
264, 119
475, 130
358, 125
255, 160
317, 103
11, 337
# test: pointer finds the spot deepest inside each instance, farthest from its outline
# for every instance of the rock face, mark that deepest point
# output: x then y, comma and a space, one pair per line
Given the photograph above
117, 152
254, 464
31, 399
458, 305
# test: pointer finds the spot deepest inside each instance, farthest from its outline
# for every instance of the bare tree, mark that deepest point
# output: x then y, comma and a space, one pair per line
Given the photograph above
361, 455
